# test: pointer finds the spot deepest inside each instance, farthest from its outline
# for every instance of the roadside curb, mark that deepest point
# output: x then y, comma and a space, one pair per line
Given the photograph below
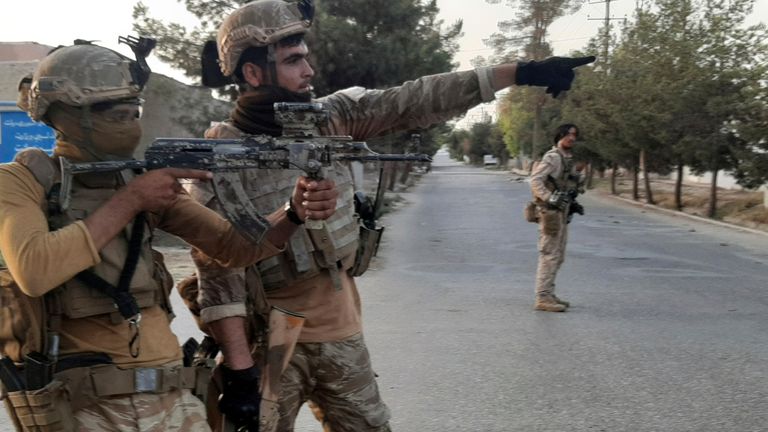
683, 214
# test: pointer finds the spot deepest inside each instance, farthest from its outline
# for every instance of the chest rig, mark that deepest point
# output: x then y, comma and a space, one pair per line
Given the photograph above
268, 190
96, 291
566, 179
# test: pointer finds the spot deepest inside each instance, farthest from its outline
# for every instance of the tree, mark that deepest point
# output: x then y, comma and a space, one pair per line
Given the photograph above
457, 141
732, 59
480, 141
379, 44
515, 122
684, 87
525, 36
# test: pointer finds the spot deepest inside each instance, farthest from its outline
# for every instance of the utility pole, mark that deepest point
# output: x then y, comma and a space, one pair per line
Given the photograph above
539, 30
606, 24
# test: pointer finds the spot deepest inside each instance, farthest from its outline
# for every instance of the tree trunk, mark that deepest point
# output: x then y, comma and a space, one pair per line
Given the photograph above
590, 175
648, 192
406, 172
613, 179
713, 196
537, 148
647, 179
679, 188
636, 183
391, 170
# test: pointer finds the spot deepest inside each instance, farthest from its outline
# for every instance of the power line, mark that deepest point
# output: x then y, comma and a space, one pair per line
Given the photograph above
606, 23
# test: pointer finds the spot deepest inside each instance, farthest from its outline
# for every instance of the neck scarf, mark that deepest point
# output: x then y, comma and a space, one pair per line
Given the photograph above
86, 136
255, 113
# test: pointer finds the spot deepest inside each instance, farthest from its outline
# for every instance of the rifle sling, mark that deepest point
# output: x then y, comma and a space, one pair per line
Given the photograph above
125, 301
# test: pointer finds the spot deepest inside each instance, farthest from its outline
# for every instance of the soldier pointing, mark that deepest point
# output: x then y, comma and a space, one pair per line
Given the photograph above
261, 48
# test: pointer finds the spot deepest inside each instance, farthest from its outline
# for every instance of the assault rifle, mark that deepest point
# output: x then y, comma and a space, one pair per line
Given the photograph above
566, 199
298, 148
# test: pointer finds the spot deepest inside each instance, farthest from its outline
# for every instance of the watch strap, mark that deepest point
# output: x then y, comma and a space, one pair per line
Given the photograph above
290, 212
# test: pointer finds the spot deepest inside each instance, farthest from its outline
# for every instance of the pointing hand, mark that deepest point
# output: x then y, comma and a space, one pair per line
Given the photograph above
554, 73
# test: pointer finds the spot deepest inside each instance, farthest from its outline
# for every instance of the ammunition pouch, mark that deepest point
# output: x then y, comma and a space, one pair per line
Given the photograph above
531, 212
48, 409
366, 249
551, 221
22, 320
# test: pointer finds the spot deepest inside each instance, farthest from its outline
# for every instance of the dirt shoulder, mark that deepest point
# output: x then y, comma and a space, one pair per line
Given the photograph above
736, 207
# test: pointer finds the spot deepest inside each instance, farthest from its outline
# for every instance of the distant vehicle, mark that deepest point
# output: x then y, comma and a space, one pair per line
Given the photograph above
490, 160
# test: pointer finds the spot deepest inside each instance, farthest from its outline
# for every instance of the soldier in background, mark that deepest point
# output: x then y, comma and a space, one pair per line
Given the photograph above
85, 305
555, 182
261, 48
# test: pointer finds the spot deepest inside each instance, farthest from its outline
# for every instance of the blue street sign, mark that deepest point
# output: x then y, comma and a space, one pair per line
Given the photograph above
18, 131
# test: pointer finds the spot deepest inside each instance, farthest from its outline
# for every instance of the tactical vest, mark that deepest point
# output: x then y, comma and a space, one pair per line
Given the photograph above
566, 180
268, 190
25, 320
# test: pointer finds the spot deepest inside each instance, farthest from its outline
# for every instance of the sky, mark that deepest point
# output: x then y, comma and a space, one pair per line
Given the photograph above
56, 22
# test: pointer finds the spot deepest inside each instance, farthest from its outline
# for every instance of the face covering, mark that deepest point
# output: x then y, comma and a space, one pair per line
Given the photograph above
87, 136
255, 113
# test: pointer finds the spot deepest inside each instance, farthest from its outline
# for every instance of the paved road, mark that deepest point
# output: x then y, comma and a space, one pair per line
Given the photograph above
667, 332
668, 329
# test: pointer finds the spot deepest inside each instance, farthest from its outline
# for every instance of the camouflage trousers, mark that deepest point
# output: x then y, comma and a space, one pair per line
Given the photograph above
177, 410
338, 379
553, 236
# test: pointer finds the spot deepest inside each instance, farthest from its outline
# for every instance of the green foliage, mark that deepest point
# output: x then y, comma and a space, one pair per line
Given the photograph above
457, 142
525, 34
379, 44
515, 122
524, 37
479, 141
685, 84
483, 138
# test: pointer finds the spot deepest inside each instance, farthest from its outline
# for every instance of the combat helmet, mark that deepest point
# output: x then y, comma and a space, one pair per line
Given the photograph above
261, 23
84, 74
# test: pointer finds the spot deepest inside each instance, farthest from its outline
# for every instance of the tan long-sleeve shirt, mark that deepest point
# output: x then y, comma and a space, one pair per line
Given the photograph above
40, 260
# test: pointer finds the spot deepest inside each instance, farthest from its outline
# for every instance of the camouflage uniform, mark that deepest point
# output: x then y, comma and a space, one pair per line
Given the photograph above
331, 366
553, 170
177, 410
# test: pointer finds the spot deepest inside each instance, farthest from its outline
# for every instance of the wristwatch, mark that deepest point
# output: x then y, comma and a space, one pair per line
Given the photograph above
290, 212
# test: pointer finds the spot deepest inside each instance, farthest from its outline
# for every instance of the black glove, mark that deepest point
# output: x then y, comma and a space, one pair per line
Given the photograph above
558, 200
554, 73
576, 207
240, 398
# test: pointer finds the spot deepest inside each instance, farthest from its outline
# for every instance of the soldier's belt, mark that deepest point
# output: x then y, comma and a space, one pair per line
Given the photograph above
109, 380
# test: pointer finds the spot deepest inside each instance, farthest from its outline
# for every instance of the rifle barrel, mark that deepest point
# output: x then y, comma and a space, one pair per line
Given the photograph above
108, 166
386, 158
